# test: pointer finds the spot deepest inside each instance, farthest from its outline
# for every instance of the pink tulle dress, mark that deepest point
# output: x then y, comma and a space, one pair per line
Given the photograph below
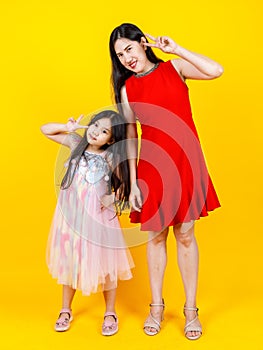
86, 247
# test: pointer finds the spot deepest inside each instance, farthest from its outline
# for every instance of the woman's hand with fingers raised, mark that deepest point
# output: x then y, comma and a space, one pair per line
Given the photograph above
163, 43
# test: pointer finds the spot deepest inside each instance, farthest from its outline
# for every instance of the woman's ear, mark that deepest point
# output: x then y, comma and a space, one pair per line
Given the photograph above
143, 41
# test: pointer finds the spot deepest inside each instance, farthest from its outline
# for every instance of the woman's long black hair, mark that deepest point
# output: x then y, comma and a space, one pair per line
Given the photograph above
117, 156
119, 73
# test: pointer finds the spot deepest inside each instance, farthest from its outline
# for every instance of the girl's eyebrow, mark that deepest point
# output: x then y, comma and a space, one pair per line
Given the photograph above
103, 127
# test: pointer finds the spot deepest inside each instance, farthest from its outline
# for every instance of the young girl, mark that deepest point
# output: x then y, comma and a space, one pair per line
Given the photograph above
171, 186
86, 246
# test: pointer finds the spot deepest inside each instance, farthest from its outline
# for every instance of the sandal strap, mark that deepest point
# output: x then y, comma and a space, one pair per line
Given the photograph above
113, 314
65, 311
190, 322
153, 324
107, 324
158, 304
189, 328
191, 309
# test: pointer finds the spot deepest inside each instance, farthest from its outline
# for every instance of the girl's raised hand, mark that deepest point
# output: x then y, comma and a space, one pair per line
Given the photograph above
73, 124
163, 43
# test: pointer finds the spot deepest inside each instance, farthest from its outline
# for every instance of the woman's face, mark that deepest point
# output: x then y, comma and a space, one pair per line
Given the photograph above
132, 55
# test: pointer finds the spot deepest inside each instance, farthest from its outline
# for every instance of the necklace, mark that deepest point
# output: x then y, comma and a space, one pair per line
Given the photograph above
138, 75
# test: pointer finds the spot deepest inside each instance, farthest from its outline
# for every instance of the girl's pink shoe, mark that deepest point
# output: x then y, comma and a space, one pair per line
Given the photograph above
109, 327
64, 319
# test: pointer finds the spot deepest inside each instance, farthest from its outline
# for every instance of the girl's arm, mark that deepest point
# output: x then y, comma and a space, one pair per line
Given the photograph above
60, 132
132, 150
190, 65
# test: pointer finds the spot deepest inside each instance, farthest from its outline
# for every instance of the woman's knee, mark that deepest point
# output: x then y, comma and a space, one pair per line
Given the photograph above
157, 238
184, 237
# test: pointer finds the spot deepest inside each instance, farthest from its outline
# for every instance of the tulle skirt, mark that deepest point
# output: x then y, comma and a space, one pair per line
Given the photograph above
86, 248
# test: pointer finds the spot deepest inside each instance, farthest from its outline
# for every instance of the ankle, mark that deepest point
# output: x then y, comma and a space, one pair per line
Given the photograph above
157, 302
110, 313
190, 312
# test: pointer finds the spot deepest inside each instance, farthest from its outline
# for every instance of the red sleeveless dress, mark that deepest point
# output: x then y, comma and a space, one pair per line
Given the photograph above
171, 173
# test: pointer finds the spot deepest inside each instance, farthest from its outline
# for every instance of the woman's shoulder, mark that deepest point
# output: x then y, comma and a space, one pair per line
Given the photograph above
172, 67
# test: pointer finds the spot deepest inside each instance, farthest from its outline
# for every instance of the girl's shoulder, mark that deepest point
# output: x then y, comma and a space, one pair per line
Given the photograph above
108, 156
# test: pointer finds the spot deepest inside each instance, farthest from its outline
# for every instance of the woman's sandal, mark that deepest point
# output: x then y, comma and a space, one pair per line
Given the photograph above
189, 327
109, 327
63, 321
151, 321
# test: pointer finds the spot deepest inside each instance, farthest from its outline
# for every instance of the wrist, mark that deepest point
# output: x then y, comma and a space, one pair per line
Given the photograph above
134, 184
178, 51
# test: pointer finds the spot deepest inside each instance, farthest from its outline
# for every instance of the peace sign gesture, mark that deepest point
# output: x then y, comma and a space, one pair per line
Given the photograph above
163, 43
73, 124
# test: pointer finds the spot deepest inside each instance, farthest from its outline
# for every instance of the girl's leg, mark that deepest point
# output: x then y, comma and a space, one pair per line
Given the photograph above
188, 259
110, 324
68, 295
110, 299
65, 316
157, 259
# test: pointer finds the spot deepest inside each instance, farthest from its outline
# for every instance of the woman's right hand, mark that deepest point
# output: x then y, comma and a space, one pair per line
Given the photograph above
135, 197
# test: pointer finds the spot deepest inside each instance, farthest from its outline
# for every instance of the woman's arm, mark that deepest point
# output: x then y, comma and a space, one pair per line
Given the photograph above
132, 150
190, 65
59, 132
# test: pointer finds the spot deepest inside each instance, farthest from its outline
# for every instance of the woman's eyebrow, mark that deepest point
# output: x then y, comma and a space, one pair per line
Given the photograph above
126, 47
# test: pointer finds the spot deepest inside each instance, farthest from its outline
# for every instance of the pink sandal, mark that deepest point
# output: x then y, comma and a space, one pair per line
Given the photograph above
63, 322
109, 327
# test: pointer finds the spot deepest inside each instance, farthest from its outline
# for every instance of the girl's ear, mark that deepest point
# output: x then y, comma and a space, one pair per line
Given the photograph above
111, 141
143, 41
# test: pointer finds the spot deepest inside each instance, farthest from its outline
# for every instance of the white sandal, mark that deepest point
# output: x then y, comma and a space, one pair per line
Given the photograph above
151, 321
189, 327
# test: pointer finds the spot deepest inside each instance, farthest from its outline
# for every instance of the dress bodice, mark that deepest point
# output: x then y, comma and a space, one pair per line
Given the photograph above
94, 167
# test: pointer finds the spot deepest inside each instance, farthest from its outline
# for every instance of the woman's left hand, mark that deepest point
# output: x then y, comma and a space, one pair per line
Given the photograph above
163, 43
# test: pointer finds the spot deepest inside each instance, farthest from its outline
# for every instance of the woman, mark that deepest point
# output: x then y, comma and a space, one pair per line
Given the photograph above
171, 186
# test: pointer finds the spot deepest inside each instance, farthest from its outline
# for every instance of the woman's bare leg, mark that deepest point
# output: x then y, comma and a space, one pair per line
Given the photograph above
188, 260
157, 259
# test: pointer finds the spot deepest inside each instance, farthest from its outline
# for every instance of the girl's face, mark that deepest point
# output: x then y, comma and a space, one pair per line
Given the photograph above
132, 55
99, 133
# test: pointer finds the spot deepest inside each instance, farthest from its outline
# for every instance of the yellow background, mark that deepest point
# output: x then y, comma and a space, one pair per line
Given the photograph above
55, 64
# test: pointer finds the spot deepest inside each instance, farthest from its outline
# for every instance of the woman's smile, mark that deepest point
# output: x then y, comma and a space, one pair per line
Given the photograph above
132, 55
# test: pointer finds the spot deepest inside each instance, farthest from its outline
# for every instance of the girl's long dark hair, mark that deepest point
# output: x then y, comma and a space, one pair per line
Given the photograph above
119, 73
116, 155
